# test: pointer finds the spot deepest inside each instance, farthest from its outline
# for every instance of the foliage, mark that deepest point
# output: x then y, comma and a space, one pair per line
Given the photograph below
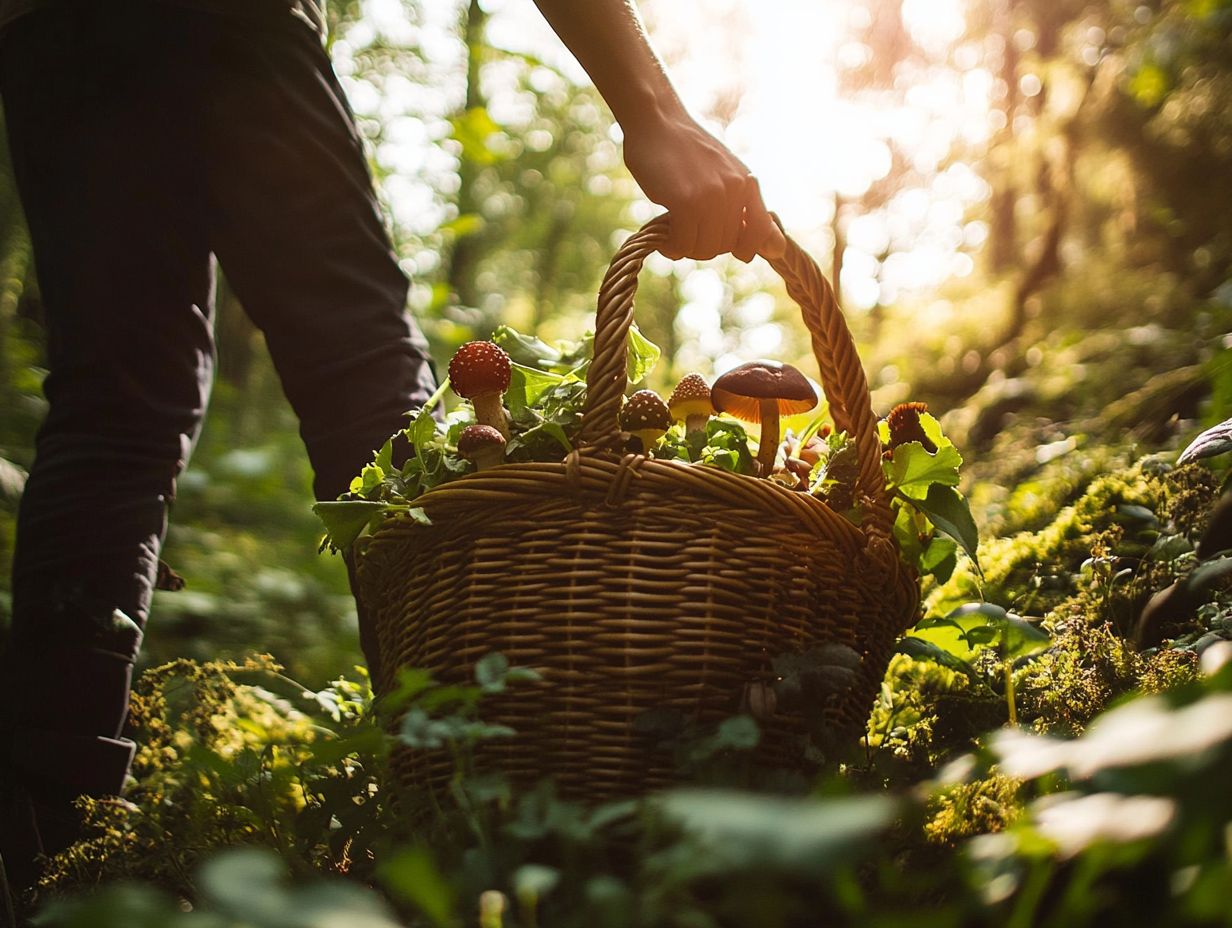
546, 401
1086, 346
933, 520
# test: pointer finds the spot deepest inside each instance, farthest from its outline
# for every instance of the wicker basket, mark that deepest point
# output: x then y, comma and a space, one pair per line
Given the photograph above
633, 584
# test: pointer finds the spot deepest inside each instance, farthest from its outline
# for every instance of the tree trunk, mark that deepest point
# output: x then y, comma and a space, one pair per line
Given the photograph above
1003, 232
467, 249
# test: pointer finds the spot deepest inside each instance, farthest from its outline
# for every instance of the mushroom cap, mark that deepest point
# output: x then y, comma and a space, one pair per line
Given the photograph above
741, 390
645, 410
477, 437
479, 367
691, 397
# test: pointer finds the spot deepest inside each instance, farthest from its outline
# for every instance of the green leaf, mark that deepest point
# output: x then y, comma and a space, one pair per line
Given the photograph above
975, 625
1207, 574
491, 671
923, 650
527, 385
247, 883
412, 876
419, 515
939, 558
526, 350
368, 480
368, 742
385, 457
727, 446
737, 833
738, 733
120, 906
643, 355
912, 471
950, 512
1020, 638
346, 519
907, 530
422, 430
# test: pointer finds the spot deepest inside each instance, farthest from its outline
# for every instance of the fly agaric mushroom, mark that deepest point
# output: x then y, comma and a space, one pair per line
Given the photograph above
646, 417
483, 445
690, 401
480, 372
762, 391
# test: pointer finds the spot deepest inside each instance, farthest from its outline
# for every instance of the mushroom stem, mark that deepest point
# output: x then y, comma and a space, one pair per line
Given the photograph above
489, 411
649, 439
696, 423
488, 457
769, 442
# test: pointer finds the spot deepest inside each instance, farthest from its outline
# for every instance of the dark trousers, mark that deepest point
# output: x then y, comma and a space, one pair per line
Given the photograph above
147, 141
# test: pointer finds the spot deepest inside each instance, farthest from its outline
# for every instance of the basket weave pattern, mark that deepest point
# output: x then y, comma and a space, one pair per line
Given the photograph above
633, 584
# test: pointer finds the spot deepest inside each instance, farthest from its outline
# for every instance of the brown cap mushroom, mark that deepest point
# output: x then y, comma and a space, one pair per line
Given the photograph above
483, 445
480, 372
691, 402
646, 417
762, 391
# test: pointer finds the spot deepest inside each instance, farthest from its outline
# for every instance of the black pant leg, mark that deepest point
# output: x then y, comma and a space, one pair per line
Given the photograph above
107, 158
298, 232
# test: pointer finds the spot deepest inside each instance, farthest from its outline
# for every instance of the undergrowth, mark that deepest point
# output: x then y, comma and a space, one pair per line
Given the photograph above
1112, 772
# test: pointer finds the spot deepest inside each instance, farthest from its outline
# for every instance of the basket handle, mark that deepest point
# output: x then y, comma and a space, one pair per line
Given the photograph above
842, 375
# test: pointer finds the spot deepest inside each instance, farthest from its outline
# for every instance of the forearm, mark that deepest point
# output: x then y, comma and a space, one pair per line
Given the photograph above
609, 40
714, 201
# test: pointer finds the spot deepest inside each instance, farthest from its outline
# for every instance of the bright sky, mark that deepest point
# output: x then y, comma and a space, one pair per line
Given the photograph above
805, 142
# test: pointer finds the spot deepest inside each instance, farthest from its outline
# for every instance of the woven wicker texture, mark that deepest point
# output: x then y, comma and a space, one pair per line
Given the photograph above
633, 584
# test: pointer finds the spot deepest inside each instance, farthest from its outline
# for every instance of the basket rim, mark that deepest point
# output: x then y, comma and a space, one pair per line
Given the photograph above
607, 477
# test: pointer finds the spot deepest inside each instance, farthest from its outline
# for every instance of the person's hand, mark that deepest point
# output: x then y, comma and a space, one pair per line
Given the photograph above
715, 203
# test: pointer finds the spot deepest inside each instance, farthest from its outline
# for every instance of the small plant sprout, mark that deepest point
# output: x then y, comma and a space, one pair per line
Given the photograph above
480, 372
482, 445
646, 417
763, 391
690, 401
953, 639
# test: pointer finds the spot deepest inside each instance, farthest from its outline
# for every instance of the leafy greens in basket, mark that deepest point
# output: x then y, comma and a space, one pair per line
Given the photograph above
545, 400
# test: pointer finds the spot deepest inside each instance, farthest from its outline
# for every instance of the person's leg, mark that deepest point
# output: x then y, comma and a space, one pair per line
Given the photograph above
299, 234
99, 114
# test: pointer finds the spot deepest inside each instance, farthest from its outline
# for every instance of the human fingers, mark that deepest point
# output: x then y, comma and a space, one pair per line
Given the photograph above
682, 231
758, 225
715, 208
733, 216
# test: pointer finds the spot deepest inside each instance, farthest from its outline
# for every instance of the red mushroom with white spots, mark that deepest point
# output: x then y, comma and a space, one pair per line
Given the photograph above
483, 445
480, 372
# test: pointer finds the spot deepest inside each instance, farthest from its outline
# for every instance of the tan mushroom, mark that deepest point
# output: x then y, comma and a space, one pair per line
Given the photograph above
691, 402
762, 391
